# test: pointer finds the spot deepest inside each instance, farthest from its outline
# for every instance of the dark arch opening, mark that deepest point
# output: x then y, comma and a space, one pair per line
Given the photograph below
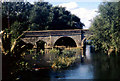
65, 41
40, 45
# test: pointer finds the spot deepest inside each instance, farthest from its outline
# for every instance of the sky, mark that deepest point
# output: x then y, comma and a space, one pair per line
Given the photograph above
84, 9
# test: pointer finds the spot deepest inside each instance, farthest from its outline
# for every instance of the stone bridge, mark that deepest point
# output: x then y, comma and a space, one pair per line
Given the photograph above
51, 38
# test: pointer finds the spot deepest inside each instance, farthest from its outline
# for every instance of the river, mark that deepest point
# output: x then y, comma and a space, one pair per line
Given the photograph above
83, 70
92, 66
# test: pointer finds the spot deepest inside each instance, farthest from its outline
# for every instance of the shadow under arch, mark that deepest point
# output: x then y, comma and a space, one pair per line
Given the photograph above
40, 45
25, 45
65, 41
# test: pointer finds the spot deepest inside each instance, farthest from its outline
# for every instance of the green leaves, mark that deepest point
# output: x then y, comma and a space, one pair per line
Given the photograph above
41, 15
106, 28
20, 16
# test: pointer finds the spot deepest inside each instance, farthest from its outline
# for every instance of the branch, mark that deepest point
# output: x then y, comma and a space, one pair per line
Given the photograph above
13, 46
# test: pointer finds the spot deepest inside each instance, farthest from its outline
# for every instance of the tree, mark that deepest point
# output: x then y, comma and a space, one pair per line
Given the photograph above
44, 16
63, 19
41, 15
20, 16
106, 28
14, 22
15, 11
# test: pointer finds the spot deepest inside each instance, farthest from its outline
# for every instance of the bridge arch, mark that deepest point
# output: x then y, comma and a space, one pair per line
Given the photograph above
65, 41
84, 40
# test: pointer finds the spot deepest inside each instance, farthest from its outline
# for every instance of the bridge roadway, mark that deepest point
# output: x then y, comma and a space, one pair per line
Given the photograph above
46, 33
50, 37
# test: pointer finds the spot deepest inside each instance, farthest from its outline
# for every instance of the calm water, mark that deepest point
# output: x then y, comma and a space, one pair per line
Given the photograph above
83, 70
92, 66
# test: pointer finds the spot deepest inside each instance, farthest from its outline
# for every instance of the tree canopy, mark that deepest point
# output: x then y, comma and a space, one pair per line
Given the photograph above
38, 16
22, 16
106, 27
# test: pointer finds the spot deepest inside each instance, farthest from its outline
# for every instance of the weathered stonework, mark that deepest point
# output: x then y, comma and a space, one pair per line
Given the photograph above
51, 36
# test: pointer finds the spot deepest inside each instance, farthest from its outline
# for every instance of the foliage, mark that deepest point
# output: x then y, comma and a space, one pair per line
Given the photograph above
54, 51
20, 16
68, 53
15, 12
64, 59
106, 28
14, 22
41, 15
24, 16
44, 16
63, 62
63, 19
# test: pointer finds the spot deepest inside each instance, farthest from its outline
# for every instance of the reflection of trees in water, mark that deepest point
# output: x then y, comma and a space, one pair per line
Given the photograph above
106, 67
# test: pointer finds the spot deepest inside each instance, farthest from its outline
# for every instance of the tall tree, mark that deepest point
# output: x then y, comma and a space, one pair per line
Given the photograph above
14, 22
41, 16
63, 19
44, 16
20, 16
15, 11
106, 28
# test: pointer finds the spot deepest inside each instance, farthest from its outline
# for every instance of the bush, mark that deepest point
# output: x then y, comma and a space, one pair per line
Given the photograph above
68, 53
64, 60
54, 51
